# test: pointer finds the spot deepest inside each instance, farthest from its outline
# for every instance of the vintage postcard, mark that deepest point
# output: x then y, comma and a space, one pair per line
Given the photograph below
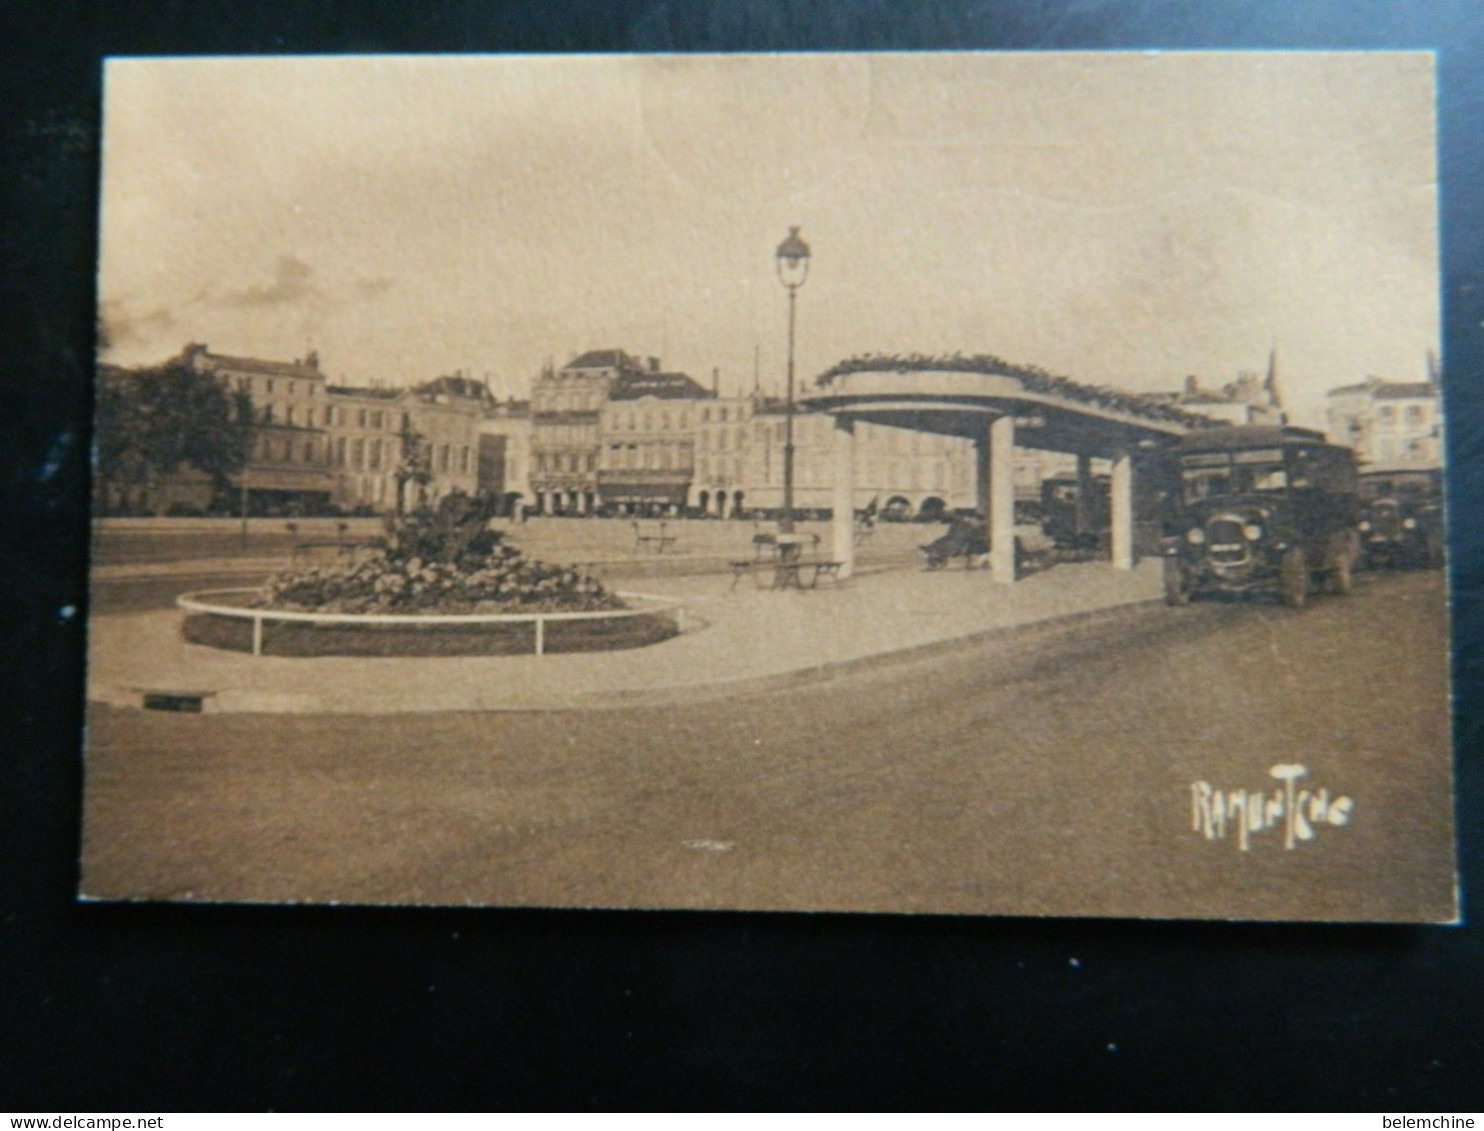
999, 484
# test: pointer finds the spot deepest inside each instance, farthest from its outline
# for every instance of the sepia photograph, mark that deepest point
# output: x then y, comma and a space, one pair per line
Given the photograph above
955, 483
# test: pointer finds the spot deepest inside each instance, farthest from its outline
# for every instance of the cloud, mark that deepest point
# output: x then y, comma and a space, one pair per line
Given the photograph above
123, 326
292, 283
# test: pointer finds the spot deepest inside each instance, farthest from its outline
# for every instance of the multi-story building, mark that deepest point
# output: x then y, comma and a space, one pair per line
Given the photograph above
1389, 423
316, 446
287, 469
365, 439
906, 473
1250, 399
566, 405
373, 432
723, 436
505, 453
647, 439
608, 433
445, 413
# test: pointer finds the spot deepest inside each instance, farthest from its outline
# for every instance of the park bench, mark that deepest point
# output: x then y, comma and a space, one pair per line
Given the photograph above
652, 536
769, 545
804, 574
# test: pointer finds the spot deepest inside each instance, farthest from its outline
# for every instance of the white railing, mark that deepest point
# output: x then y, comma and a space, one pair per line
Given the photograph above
197, 603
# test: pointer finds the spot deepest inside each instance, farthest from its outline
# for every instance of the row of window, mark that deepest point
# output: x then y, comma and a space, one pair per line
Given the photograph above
566, 461
679, 457
279, 385
359, 453
1414, 414
632, 421
335, 416
583, 401
704, 440
553, 434
1418, 448
662, 457
719, 472
273, 450
807, 429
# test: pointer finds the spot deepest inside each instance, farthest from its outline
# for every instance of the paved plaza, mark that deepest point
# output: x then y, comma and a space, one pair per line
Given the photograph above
737, 637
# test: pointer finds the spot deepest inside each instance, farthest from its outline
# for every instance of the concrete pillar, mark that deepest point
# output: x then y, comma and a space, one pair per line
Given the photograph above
1122, 509
842, 527
981, 473
1082, 520
1001, 470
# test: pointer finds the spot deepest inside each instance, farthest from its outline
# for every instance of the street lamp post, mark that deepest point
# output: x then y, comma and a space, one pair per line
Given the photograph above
793, 269
249, 436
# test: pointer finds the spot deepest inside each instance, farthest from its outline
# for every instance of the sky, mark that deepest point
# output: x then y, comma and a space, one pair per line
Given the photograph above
1122, 219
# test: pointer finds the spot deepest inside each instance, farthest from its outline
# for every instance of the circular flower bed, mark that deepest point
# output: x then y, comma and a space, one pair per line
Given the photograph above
443, 565
386, 582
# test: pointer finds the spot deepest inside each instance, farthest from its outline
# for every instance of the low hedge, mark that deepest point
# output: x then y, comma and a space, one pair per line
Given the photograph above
297, 638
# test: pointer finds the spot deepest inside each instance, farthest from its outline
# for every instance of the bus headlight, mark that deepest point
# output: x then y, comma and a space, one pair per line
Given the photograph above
1195, 536
1252, 532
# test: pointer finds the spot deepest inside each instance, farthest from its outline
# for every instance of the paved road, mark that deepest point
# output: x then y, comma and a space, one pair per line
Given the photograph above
1050, 775
142, 594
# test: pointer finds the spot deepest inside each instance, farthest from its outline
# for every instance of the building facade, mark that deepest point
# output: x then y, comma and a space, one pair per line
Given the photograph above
505, 454
379, 437
659, 443
365, 429
647, 439
906, 474
723, 439
1389, 423
1249, 399
287, 470
566, 407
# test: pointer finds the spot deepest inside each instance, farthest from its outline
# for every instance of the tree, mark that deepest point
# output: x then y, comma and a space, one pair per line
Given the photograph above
153, 422
118, 444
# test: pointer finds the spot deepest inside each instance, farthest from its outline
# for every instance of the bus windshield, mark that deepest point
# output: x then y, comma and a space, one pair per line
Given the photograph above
1207, 476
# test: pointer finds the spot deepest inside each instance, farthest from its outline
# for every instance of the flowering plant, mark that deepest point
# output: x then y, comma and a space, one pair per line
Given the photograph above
445, 562
1031, 377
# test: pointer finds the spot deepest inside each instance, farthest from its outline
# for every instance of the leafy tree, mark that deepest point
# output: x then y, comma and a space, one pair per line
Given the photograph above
153, 422
118, 446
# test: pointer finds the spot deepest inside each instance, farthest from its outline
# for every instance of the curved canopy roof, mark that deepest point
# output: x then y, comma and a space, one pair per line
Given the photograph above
959, 395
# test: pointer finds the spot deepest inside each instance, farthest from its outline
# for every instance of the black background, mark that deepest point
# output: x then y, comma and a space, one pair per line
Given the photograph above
160, 1008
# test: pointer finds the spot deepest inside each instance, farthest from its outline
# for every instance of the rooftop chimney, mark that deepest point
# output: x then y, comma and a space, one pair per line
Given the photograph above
654, 365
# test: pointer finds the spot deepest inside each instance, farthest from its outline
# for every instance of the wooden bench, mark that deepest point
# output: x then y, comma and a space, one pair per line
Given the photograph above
652, 535
792, 574
769, 546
